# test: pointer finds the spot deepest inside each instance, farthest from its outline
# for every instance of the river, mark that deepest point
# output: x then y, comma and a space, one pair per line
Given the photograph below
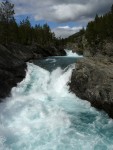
42, 114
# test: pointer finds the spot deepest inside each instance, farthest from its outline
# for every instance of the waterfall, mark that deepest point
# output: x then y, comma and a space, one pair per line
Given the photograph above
70, 53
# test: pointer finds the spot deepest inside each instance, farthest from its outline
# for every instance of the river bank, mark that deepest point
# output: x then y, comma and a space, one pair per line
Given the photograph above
13, 58
42, 113
92, 80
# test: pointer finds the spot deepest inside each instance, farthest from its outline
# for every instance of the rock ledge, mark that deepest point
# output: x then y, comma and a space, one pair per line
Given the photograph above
92, 80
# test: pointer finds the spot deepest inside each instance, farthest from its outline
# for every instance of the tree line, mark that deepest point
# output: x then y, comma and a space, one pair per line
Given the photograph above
97, 31
24, 32
100, 29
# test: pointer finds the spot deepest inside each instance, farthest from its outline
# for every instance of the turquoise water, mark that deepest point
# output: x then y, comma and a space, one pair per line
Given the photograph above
42, 114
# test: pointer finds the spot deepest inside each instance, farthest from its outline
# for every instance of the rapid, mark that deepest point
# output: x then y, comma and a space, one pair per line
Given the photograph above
42, 113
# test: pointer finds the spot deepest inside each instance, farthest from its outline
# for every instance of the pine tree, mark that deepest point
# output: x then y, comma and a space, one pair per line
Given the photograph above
112, 9
25, 31
6, 16
96, 18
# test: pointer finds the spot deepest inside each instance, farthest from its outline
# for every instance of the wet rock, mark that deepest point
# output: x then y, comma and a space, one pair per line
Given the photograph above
13, 58
92, 80
12, 71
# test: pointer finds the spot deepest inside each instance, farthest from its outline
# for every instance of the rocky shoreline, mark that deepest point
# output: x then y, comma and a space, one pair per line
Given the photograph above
13, 58
92, 80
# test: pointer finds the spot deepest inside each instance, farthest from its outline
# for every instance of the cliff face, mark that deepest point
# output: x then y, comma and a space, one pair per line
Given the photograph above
104, 48
13, 60
80, 45
12, 70
92, 79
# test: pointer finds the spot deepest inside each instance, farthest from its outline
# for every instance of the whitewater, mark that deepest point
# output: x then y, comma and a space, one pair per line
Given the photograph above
42, 113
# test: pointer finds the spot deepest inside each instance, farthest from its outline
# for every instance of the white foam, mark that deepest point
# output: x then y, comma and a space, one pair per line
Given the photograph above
51, 59
70, 53
41, 114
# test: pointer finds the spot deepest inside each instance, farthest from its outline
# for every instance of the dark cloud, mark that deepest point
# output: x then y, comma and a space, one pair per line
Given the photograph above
72, 1
62, 10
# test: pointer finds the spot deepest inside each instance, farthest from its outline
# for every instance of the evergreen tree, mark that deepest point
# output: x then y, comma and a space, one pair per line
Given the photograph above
112, 9
13, 28
6, 16
96, 18
100, 29
7, 11
22, 33
25, 31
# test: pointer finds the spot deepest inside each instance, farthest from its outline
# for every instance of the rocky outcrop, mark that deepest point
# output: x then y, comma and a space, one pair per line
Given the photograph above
82, 47
13, 58
107, 48
92, 80
104, 48
12, 71
35, 51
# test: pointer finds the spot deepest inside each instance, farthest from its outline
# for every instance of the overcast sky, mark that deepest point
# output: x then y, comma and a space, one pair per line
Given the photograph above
65, 17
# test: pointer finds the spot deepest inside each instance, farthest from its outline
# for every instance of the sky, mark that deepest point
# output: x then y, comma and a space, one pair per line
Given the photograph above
65, 17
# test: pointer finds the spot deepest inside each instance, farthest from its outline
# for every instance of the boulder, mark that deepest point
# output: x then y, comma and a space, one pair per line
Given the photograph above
92, 80
12, 71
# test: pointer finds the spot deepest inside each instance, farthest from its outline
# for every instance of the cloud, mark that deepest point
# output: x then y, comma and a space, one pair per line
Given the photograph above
62, 10
65, 31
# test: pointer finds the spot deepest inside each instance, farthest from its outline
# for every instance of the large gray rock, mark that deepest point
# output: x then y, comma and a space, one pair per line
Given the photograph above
108, 48
35, 51
92, 80
12, 71
13, 58
102, 48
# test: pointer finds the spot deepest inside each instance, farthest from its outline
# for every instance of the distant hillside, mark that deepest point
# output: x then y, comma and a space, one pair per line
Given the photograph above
100, 29
75, 42
75, 36
97, 38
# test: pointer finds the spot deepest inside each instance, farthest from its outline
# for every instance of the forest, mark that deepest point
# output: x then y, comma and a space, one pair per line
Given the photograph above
96, 32
100, 29
23, 32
